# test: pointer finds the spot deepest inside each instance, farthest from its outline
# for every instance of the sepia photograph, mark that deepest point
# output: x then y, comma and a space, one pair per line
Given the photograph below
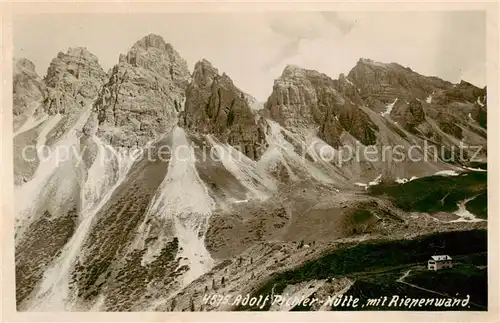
271, 161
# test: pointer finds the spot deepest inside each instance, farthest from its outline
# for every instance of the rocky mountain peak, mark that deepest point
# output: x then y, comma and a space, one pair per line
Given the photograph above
373, 64
24, 65
73, 77
467, 85
304, 98
154, 41
386, 81
75, 62
300, 74
291, 71
214, 105
344, 80
204, 73
153, 53
296, 87
82, 52
367, 63
146, 90
27, 86
203, 64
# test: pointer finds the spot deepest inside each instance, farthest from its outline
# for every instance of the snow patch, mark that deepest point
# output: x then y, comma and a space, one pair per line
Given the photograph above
476, 169
479, 101
429, 99
446, 173
464, 214
405, 180
183, 103
376, 181
389, 108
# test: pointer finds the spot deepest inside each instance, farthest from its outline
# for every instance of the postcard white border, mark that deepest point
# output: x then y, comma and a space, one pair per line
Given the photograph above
7, 9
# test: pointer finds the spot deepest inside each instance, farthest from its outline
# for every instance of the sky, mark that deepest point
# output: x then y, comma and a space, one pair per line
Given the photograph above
253, 48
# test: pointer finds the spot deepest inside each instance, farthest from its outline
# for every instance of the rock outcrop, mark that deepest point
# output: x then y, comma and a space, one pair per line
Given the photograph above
385, 82
304, 98
408, 114
144, 93
73, 78
28, 87
461, 92
427, 107
214, 105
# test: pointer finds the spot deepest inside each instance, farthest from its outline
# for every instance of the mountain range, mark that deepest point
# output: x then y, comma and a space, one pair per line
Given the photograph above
241, 187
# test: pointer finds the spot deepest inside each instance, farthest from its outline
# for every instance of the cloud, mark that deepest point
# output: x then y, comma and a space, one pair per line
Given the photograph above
292, 31
288, 50
344, 25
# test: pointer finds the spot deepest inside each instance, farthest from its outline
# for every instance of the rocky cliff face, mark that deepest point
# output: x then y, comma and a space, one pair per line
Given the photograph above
308, 99
412, 97
52, 178
427, 107
381, 83
386, 81
408, 114
380, 105
45, 110
73, 78
144, 93
28, 87
214, 105
28, 93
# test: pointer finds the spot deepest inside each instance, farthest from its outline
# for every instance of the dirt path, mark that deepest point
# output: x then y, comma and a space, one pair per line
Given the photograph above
401, 279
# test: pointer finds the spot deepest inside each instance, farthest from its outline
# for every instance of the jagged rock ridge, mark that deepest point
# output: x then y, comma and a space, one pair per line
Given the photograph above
72, 79
28, 87
144, 93
306, 98
122, 229
214, 105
